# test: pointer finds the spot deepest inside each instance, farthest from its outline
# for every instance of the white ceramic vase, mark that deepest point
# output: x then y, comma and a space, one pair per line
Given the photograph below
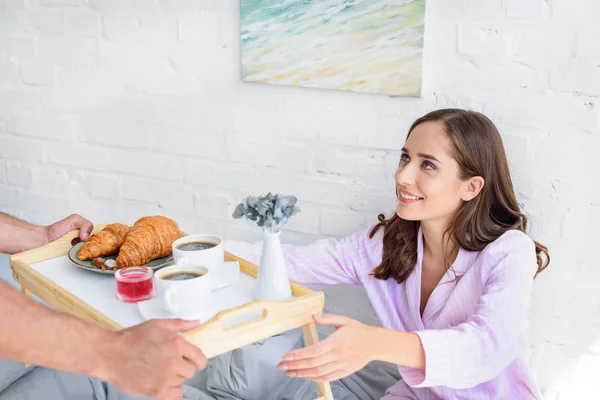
273, 283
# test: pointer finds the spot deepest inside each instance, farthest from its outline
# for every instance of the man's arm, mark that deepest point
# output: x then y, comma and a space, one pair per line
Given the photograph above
150, 359
24, 324
34, 334
17, 235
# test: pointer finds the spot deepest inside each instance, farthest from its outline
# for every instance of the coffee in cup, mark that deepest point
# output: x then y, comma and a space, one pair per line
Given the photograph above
182, 275
195, 245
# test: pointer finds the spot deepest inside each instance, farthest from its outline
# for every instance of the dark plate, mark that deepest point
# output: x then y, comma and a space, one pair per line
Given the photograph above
154, 264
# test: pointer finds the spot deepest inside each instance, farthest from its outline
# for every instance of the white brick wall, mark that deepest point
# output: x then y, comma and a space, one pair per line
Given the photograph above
118, 109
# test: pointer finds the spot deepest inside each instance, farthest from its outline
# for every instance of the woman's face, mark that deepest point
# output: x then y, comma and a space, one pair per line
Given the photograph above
427, 179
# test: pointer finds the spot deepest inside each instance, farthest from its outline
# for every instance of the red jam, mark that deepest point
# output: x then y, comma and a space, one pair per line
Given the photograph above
134, 284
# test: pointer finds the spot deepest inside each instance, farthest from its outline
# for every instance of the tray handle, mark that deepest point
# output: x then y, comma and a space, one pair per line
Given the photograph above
223, 319
260, 319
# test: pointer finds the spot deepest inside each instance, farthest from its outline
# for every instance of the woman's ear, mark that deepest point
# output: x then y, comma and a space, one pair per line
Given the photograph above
472, 188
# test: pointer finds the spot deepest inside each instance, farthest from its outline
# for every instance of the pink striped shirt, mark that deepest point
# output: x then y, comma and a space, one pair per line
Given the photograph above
474, 328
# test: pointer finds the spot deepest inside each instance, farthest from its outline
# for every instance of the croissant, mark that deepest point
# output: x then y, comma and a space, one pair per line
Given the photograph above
103, 243
149, 238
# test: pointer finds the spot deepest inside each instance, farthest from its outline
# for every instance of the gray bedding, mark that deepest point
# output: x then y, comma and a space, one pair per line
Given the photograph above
247, 373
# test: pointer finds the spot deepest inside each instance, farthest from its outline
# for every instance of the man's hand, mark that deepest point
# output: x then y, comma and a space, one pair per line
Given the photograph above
71, 223
17, 235
151, 359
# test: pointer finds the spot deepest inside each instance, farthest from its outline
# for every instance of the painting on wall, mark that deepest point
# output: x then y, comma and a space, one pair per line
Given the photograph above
369, 46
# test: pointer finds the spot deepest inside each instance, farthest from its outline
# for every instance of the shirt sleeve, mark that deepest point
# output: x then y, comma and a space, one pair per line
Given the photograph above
479, 349
325, 262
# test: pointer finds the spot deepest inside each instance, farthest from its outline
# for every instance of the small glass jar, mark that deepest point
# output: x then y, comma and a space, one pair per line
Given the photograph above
134, 284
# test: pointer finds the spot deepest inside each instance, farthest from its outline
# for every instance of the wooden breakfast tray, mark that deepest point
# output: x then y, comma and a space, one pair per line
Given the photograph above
49, 274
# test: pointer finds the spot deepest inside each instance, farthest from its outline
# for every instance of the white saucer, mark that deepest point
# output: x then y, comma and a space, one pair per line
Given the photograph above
229, 273
153, 309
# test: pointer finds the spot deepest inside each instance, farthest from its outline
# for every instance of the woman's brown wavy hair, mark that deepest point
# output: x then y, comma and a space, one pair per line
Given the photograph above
478, 149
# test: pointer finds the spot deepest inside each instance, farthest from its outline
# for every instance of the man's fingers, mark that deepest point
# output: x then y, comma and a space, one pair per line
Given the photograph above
186, 369
194, 355
78, 222
174, 393
179, 380
176, 325
71, 223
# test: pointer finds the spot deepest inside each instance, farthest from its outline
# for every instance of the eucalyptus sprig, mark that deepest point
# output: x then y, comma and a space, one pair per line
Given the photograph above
270, 212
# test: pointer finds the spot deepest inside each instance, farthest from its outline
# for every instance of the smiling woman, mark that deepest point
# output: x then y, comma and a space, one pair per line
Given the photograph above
459, 175
450, 274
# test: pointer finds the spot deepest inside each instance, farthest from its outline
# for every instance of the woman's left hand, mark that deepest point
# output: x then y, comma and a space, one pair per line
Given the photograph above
345, 351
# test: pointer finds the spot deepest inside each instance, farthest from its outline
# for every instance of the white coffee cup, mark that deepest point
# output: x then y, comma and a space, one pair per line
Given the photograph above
184, 290
209, 257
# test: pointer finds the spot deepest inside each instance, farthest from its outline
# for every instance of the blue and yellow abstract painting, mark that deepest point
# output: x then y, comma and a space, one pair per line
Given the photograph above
371, 46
